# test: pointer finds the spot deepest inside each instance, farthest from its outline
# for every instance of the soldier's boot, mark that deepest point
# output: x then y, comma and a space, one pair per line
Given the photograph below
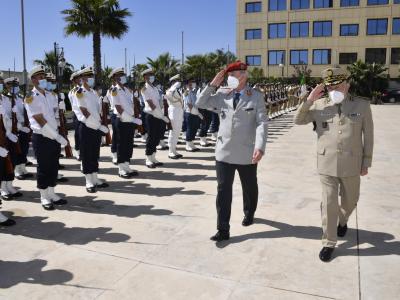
25, 171
5, 194
122, 172
203, 142
114, 157
100, 183
130, 171
90, 186
162, 145
12, 190
155, 161
4, 221
57, 200
214, 136
149, 163
47, 204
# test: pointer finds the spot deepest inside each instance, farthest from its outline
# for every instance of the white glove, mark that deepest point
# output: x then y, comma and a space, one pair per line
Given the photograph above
62, 141
175, 86
3, 152
159, 115
61, 105
137, 121
12, 137
125, 117
62, 96
196, 112
104, 129
92, 123
105, 99
49, 132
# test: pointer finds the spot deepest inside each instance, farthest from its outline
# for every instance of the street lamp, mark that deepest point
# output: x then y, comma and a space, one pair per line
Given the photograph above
281, 66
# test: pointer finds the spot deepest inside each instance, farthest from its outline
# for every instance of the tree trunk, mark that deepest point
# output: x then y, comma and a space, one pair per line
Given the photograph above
97, 57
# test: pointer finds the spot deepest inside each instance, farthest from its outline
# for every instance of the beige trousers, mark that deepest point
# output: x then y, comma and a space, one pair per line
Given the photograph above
333, 212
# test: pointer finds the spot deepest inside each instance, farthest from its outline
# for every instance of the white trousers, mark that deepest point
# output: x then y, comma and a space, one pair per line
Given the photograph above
175, 114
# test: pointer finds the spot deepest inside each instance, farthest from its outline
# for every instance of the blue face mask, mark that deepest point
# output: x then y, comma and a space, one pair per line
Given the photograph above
1, 87
90, 82
49, 86
43, 84
123, 79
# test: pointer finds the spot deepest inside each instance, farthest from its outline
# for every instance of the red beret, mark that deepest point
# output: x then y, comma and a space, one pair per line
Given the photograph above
236, 66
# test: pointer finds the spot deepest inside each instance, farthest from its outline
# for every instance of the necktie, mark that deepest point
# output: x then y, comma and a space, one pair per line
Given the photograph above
236, 100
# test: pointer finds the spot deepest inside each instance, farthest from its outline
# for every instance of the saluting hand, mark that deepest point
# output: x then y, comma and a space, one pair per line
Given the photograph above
257, 155
218, 79
316, 93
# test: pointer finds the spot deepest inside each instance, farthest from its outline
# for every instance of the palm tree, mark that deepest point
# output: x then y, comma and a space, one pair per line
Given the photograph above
164, 67
49, 62
367, 79
96, 18
256, 75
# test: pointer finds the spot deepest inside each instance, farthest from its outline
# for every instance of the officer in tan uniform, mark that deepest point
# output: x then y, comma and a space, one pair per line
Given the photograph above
345, 144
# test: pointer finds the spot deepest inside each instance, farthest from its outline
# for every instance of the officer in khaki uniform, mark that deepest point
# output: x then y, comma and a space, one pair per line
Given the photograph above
345, 145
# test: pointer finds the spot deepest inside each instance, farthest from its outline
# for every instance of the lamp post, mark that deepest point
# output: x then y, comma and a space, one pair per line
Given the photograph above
59, 65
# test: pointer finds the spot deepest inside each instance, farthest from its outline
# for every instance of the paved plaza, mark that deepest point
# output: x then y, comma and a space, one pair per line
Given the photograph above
148, 238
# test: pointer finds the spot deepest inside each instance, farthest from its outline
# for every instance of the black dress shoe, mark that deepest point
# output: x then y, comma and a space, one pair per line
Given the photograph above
341, 230
174, 156
133, 173
103, 185
62, 179
61, 167
7, 197
135, 146
220, 236
17, 194
247, 221
125, 176
20, 177
158, 164
8, 222
61, 155
151, 166
326, 254
29, 163
49, 206
163, 148
60, 202
91, 190
28, 175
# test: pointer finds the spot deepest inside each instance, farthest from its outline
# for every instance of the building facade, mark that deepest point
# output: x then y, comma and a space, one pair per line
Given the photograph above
275, 35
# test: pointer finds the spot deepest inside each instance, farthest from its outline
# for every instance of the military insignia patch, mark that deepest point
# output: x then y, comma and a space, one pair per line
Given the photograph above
79, 93
28, 98
114, 92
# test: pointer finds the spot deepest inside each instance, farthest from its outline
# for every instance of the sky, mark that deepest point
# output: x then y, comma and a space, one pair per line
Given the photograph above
155, 28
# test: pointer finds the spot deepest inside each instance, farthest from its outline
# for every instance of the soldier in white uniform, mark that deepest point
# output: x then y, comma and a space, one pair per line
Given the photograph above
123, 108
46, 140
91, 130
75, 81
192, 115
12, 85
345, 132
241, 142
154, 116
175, 114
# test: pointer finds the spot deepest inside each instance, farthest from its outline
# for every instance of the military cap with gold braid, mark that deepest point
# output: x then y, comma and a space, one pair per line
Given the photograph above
333, 76
36, 71
117, 71
86, 72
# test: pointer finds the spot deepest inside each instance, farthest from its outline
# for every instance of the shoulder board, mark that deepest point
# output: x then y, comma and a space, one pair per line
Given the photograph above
79, 93
114, 91
28, 98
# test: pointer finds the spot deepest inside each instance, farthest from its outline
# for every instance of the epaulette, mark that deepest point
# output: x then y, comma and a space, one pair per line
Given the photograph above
79, 93
114, 91
28, 98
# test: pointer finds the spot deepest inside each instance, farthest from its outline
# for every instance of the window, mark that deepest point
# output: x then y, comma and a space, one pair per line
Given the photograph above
349, 29
395, 56
347, 58
299, 29
375, 55
396, 26
377, 26
276, 31
299, 4
347, 3
253, 60
276, 57
396, 1
274, 5
323, 3
253, 34
298, 57
322, 28
253, 7
377, 2
321, 56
